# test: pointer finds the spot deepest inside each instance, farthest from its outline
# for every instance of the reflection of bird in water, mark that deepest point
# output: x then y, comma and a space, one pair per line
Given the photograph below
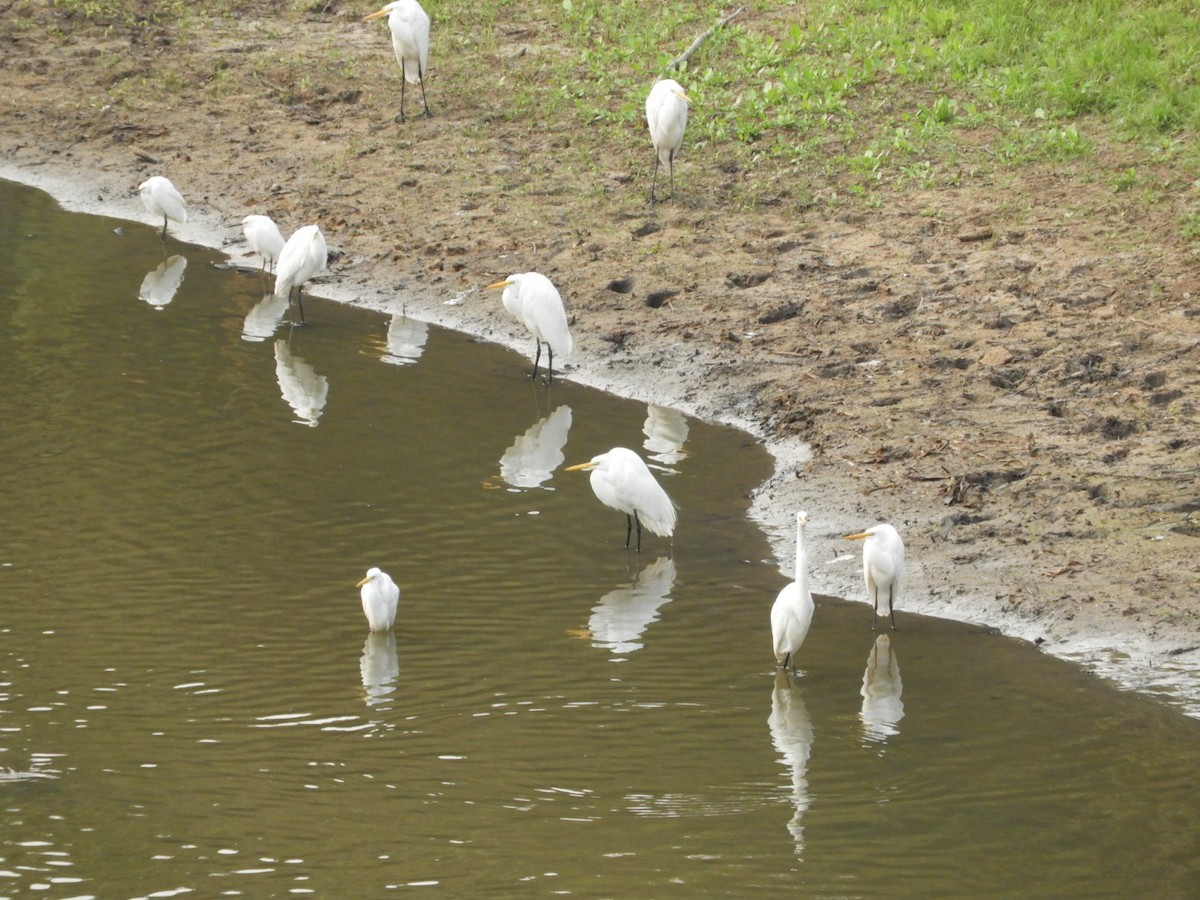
159, 286
792, 735
666, 114
666, 430
623, 614
304, 390
882, 707
409, 25
302, 257
379, 598
792, 612
534, 301
883, 568
262, 234
622, 481
264, 317
534, 455
161, 198
405, 340
379, 666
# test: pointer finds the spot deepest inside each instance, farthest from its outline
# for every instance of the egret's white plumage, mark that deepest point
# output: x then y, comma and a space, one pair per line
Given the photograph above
792, 613
302, 257
622, 481
159, 286
666, 114
379, 598
883, 568
161, 198
262, 234
882, 706
409, 25
534, 301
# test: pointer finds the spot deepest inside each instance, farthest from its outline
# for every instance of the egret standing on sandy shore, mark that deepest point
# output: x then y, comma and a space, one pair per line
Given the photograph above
622, 481
792, 613
409, 25
883, 568
302, 257
161, 198
379, 598
262, 234
535, 302
666, 113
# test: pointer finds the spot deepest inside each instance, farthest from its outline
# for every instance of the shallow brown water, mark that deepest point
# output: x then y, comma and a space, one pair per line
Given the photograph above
190, 702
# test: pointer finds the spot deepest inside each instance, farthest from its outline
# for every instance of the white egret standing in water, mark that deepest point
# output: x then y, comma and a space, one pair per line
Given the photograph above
302, 257
883, 568
622, 481
535, 302
666, 114
379, 598
262, 234
161, 198
792, 613
409, 25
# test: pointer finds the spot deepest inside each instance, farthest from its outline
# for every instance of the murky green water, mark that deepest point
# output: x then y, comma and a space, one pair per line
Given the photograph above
189, 700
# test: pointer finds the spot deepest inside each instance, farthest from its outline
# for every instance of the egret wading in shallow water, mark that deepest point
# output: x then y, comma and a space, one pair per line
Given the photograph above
379, 598
161, 198
409, 25
262, 234
535, 302
883, 568
621, 480
666, 113
302, 257
792, 613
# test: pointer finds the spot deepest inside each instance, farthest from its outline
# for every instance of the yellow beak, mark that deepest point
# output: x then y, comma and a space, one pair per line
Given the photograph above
857, 537
364, 581
582, 467
376, 14
682, 96
498, 284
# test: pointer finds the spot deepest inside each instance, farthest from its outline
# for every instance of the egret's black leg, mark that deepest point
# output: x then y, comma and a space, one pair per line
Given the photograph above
550, 365
299, 301
654, 180
421, 78
639, 530
892, 607
163, 236
874, 609
671, 160
537, 358
628, 529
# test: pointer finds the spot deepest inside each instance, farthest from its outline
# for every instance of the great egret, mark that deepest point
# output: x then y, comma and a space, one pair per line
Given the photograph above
622, 481
379, 598
302, 257
410, 40
161, 198
883, 568
792, 613
666, 113
262, 234
534, 301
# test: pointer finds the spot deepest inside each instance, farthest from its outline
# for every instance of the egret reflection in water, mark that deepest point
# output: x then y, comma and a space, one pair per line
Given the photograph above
792, 735
623, 615
882, 708
666, 432
264, 318
379, 666
533, 456
405, 340
160, 284
304, 390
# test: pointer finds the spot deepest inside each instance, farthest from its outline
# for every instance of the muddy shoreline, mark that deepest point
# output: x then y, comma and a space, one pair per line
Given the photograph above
1150, 656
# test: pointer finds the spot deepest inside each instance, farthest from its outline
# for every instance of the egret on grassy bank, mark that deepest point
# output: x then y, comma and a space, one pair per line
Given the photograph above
302, 257
161, 198
409, 25
792, 612
262, 234
883, 568
622, 481
666, 113
379, 598
535, 302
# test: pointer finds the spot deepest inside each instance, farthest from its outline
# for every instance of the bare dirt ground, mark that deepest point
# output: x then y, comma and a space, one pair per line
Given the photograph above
1007, 369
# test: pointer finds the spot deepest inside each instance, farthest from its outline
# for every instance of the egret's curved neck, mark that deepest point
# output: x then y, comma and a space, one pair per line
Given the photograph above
801, 560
